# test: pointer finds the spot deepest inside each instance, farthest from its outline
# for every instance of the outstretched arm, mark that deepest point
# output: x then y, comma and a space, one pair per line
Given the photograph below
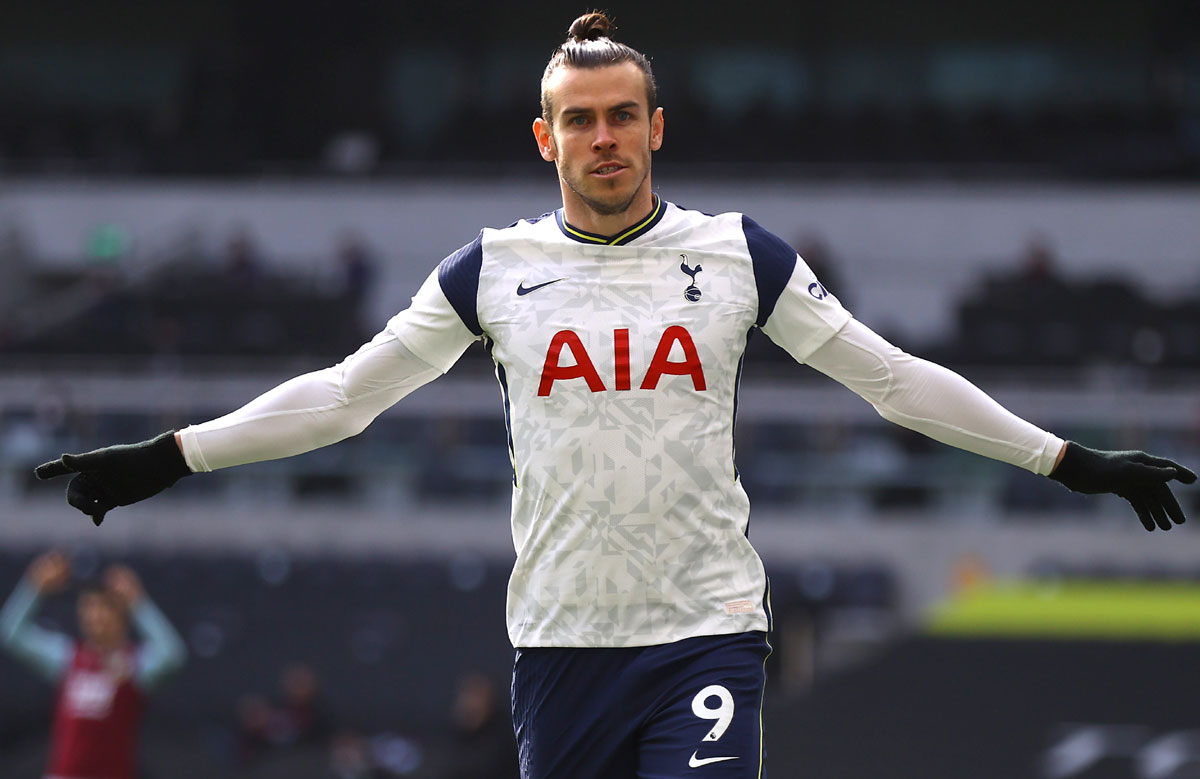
939, 403
45, 652
310, 411
302, 414
799, 314
419, 344
932, 400
162, 650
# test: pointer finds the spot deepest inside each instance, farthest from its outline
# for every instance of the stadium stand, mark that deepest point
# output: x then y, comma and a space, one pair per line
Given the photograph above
359, 624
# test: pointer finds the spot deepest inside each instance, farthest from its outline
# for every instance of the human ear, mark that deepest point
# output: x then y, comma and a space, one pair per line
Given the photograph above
544, 134
656, 129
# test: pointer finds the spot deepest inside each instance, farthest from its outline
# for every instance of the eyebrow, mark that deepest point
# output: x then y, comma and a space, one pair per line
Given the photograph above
618, 107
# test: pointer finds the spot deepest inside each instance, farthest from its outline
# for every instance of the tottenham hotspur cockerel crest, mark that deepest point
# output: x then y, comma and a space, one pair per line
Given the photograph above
692, 292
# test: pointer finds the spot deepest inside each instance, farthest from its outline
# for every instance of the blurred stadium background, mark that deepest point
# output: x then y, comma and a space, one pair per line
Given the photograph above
199, 200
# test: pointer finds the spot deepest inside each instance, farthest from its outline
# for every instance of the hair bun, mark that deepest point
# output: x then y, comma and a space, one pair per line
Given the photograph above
589, 27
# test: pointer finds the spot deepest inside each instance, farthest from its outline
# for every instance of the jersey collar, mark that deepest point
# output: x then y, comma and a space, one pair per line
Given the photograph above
621, 238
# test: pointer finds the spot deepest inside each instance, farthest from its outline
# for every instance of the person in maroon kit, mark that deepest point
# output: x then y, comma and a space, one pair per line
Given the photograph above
103, 678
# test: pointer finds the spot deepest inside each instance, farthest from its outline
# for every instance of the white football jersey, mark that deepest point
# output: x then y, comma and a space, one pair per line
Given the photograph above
619, 360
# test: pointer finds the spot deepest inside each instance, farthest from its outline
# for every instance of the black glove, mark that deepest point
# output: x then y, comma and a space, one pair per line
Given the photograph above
118, 475
1137, 477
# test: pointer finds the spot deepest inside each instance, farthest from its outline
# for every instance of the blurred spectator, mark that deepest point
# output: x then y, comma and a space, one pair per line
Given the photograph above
355, 273
994, 324
102, 678
242, 265
303, 717
300, 717
166, 343
356, 270
1037, 269
252, 734
1034, 276
480, 742
350, 757
1037, 261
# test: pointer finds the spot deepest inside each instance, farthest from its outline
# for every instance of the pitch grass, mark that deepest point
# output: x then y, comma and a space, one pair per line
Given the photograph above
1113, 610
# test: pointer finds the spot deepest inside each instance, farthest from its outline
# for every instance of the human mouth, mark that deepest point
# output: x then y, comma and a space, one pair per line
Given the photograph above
608, 169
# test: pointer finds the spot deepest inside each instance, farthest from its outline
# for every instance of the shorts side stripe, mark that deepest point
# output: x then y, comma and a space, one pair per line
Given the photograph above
762, 699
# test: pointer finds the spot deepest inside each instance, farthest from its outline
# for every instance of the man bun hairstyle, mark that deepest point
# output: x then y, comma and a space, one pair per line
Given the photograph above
589, 27
588, 45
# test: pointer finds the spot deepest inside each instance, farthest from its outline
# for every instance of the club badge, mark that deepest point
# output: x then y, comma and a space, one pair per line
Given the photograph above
692, 293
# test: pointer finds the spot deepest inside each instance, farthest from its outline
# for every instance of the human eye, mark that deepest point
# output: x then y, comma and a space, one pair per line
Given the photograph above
579, 120
624, 116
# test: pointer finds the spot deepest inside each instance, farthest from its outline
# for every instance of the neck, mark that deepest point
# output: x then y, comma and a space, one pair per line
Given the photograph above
583, 216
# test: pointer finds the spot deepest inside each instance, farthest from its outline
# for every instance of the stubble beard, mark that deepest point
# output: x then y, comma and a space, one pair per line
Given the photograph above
604, 208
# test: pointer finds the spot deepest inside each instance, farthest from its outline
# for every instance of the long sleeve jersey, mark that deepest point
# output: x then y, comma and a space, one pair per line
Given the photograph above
618, 360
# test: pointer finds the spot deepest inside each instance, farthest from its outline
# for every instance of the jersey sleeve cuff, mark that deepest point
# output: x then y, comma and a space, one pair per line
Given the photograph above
416, 347
834, 322
431, 328
1049, 455
191, 450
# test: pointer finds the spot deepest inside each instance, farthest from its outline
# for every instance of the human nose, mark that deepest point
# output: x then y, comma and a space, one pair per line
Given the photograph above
604, 138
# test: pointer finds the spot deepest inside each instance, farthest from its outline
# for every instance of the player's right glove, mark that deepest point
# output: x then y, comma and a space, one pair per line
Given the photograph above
1137, 477
118, 475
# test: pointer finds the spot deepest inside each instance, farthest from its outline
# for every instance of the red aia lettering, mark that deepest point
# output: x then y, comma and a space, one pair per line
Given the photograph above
621, 355
660, 364
582, 369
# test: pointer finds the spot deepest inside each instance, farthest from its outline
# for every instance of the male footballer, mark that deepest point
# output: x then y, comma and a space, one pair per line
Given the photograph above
617, 324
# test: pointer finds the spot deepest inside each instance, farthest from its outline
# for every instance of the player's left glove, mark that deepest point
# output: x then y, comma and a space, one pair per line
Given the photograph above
1136, 476
118, 475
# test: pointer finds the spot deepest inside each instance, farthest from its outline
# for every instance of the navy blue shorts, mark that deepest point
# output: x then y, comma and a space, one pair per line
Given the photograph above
688, 709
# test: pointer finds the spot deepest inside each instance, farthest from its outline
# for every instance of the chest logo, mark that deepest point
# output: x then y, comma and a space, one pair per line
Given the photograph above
89, 694
580, 366
523, 290
692, 292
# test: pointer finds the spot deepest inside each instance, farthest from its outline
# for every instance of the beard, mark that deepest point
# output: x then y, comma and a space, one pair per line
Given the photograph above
608, 207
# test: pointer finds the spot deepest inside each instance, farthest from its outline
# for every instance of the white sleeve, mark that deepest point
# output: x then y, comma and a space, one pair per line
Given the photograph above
805, 315
310, 411
431, 327
794, 308
932, 400
321, 408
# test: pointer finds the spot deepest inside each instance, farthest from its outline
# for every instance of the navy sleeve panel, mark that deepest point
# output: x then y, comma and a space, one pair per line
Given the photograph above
773, 260
458, 276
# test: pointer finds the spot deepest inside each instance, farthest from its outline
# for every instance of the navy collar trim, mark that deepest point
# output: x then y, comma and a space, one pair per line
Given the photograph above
620, 239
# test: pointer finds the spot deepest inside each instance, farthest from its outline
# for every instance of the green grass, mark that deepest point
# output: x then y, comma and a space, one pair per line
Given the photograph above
1078, 609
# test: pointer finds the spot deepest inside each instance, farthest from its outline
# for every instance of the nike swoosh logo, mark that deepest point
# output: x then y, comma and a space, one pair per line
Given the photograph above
695, 762
524, 290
